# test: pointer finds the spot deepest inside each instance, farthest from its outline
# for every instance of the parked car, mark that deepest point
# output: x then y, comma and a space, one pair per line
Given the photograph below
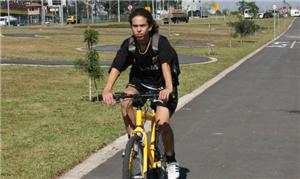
2, 21
72, 20
295, 12
268, 14
5, 20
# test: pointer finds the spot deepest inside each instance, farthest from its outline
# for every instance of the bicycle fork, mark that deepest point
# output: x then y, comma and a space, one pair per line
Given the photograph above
148, 149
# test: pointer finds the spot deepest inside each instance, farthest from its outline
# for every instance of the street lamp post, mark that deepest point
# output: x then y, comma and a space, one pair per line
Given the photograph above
8, 14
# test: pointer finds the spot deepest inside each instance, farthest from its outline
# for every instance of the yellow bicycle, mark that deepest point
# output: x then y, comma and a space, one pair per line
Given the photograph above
144, 152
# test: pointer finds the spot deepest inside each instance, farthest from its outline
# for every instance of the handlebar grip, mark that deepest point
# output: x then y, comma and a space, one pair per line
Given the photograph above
97, 98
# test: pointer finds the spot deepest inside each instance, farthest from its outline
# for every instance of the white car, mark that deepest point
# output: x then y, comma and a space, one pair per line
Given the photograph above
295, 12
3, 21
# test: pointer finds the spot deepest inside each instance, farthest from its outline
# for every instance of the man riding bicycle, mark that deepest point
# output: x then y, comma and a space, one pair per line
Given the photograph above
150, 71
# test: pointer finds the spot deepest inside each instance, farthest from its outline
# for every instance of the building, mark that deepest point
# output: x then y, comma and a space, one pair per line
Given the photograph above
195, 8
57, 2
25, 11
191, 5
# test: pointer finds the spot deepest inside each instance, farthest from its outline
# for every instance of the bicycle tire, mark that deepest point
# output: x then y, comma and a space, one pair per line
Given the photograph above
133, 159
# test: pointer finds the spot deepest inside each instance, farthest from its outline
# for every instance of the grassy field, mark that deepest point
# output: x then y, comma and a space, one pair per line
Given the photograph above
47, 129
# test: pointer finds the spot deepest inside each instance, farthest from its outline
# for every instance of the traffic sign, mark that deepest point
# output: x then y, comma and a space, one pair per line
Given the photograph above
274, 6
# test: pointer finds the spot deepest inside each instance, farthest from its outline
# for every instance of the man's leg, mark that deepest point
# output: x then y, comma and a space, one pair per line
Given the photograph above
127, 110
163, 118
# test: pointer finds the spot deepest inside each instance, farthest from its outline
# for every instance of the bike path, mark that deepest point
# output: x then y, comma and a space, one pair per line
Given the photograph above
246, 126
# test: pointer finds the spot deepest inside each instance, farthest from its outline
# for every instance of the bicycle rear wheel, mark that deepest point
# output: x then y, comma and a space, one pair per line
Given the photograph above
133, 159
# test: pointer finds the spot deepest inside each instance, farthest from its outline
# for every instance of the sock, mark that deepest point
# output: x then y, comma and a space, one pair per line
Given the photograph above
171, 158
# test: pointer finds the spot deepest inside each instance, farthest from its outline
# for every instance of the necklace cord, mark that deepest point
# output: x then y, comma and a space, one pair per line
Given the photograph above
143, 53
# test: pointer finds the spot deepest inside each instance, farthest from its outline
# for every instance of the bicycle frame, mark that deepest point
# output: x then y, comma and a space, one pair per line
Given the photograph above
148, 149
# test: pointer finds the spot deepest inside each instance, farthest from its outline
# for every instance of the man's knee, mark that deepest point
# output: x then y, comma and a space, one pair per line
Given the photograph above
126, 106
163, 126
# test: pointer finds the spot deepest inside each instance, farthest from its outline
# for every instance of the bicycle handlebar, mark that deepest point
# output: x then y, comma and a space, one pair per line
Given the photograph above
120, 95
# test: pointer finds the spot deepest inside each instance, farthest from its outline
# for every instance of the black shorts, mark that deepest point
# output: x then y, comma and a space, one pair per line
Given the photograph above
171, 104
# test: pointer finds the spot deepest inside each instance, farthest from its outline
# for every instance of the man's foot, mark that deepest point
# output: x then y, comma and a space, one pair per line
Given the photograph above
173, 170
123, 153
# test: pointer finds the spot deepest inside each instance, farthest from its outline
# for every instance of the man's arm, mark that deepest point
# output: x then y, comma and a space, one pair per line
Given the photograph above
165, 93
107, 92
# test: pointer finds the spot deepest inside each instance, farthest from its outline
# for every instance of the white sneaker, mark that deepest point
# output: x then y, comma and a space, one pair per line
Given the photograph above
173, 170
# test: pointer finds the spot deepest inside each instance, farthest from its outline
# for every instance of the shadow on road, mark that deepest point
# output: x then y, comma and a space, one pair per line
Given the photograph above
183, 172
155, 174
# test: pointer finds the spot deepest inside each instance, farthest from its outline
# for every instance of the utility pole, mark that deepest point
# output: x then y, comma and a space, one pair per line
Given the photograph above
8, 13
119, 19
42, 13
76, 15
93, 10
153, 12
274, 24
278, 24
109, 9
61, 11
274, 7
156, 5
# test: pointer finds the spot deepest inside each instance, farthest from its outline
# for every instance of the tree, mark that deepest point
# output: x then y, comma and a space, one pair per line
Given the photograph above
90, 37
226, 12
253, 8
91, 64
244, 27
242, 6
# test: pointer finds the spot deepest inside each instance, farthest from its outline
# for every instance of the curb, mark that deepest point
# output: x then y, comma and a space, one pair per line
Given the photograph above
107, 152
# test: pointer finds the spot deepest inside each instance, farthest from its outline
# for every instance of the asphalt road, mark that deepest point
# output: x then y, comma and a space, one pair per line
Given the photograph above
246, 126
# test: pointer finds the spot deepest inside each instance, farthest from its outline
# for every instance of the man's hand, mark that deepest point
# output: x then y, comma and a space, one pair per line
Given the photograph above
108, 97
165, 94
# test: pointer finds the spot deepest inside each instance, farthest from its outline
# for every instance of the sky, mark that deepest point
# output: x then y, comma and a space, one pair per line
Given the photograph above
262, 4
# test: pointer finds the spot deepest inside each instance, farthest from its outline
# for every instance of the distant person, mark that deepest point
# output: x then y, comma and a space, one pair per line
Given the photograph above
151, 70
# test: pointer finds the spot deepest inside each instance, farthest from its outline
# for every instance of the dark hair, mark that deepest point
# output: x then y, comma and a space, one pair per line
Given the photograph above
145, 13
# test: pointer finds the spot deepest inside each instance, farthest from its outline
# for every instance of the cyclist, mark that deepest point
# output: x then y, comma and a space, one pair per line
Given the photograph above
149, 71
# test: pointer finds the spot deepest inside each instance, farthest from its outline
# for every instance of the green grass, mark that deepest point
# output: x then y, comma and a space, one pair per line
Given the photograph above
47, 129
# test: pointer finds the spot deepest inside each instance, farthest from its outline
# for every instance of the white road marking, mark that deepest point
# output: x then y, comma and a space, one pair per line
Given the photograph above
218, 133
293, 44
279, 44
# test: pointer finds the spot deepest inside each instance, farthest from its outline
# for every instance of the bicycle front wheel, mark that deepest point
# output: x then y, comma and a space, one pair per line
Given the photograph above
133, 159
